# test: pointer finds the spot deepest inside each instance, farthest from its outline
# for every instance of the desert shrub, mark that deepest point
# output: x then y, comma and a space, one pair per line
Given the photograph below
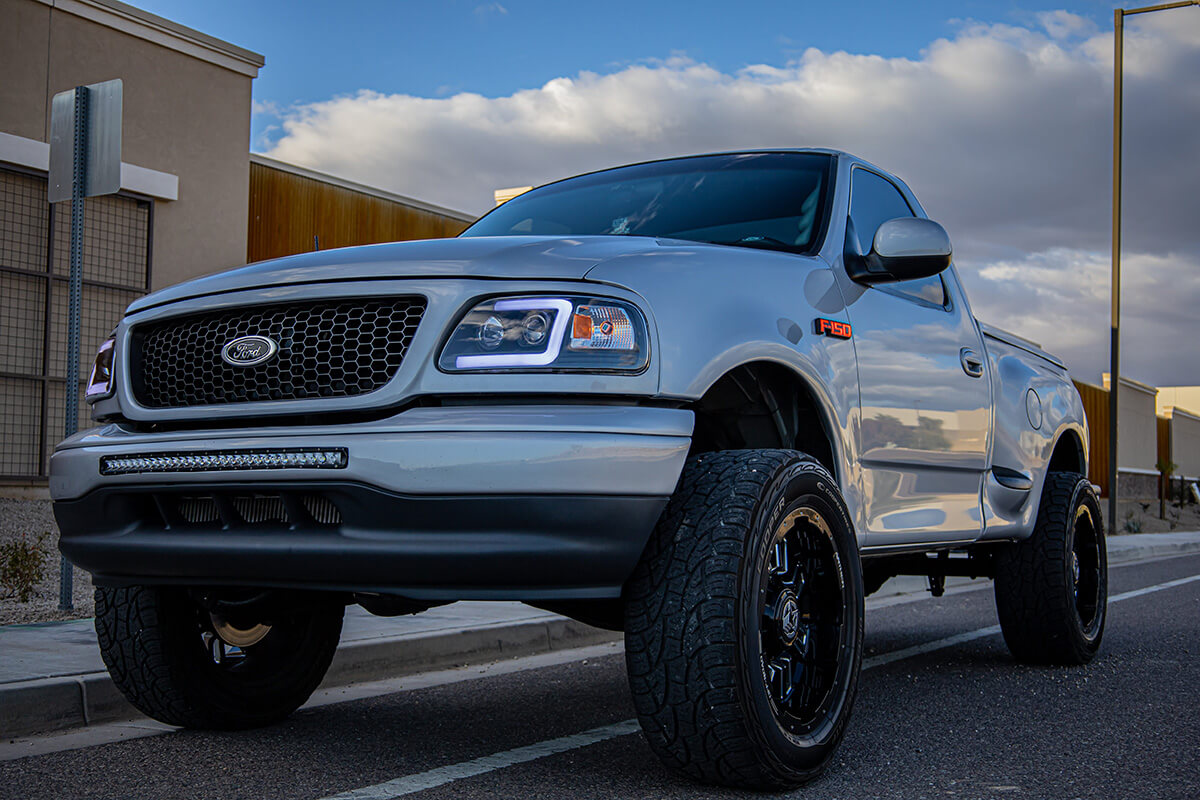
22, 566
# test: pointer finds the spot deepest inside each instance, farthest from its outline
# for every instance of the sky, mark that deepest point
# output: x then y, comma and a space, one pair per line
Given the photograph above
997, 114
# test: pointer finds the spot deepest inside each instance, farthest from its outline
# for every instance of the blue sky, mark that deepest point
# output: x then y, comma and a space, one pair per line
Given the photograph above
997, 114
317, 50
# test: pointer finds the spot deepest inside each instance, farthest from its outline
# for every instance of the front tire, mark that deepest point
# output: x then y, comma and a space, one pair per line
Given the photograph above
744, 621
1052, 588
174, 660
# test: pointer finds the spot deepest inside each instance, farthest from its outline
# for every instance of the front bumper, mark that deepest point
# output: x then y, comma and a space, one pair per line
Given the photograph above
514, 502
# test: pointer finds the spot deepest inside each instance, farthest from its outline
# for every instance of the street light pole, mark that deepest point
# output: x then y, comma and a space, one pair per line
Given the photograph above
1114, 345
1114, 381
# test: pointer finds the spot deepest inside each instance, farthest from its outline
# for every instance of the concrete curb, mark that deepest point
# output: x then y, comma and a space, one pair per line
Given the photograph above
1165, 544
54, 704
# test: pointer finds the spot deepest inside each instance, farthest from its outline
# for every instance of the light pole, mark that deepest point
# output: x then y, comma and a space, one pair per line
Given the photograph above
1114, 381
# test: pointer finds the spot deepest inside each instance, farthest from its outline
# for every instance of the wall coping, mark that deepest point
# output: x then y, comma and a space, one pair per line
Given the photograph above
1130, 383
153, 28
1173, 411
33, 154
361, 188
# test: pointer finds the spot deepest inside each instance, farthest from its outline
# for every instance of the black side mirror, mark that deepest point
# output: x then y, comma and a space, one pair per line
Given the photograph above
903, 249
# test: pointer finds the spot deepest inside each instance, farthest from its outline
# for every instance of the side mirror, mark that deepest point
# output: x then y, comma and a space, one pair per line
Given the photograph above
904, 249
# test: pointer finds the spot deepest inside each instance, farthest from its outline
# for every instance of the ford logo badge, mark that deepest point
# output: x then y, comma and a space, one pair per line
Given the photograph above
246, 351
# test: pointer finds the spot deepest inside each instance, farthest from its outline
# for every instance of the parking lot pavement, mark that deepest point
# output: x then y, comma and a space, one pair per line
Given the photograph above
942, 712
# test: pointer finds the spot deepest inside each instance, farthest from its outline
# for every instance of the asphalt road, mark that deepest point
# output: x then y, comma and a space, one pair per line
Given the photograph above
934, 718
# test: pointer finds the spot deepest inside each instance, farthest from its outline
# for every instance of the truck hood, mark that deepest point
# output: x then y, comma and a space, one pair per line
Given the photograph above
561, 258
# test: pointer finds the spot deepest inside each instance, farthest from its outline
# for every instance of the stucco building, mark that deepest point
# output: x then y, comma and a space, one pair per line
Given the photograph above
187, 183
182, 209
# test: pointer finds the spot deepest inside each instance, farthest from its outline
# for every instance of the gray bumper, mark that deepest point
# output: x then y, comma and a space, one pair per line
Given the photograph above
483, 501
467, 450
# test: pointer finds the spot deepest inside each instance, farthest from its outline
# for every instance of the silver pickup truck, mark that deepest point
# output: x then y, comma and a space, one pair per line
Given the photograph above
712, 402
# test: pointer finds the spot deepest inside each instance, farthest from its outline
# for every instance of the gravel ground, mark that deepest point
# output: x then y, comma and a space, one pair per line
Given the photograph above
32, 518
1143, 515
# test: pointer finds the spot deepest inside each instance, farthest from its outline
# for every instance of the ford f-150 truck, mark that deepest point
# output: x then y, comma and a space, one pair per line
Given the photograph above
712, 402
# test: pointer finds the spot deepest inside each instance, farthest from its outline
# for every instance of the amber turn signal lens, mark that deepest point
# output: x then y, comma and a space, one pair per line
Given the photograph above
581, 327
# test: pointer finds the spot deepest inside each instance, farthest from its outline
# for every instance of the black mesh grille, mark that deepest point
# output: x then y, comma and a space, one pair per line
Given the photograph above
327, 349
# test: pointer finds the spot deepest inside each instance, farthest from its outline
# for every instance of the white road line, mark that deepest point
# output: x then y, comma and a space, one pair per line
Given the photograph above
949, 641
1156, 587
928, 647
467, 769
418, 782
109, 732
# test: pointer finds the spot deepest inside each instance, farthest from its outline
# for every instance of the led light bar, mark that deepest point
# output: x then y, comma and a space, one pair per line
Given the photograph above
226, 460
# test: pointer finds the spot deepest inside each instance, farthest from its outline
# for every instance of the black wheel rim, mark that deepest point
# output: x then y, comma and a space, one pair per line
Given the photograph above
802, 621
1085, 571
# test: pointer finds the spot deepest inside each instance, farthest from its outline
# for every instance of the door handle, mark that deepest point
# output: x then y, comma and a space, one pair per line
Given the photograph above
972, 364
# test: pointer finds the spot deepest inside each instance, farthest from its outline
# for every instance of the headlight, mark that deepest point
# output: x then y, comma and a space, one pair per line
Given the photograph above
99, 383
570, 334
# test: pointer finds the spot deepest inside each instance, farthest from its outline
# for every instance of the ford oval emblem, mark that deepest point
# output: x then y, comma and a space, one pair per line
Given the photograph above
246, 351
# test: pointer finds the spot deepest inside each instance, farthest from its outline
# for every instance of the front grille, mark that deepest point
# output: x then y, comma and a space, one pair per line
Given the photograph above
325, 349
229, 509
260, 508
198, 509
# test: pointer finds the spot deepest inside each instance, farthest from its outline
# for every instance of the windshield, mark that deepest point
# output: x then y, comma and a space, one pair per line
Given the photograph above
768, 200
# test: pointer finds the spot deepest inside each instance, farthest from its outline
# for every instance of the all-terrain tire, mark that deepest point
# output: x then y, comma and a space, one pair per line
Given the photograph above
1052, 588
152, 640
695, 641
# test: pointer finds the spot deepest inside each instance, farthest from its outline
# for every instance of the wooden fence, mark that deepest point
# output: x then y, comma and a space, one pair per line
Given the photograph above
294, 210
1095, 407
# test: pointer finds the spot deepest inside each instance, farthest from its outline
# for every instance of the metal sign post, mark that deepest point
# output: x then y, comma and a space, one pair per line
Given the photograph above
85, 161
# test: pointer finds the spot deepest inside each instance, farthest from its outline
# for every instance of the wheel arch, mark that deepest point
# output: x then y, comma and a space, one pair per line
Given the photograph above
765, 403
1069, 453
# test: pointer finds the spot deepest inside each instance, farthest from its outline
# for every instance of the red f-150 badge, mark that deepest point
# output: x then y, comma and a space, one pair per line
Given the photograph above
831, 327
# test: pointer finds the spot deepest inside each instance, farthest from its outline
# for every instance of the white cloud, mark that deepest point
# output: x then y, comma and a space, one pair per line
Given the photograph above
265, 108
1002, 131
1060, 298
489, 10
1063, 24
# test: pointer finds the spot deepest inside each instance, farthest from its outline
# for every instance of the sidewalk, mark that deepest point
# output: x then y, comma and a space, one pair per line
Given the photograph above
52, 677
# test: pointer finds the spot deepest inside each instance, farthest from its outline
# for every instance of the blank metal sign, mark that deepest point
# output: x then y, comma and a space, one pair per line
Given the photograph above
103, 173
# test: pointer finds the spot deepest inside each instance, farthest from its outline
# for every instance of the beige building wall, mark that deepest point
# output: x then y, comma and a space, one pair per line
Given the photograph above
182, 210
1185, 397
24, 35
1137, 427
1185, 443
186, 113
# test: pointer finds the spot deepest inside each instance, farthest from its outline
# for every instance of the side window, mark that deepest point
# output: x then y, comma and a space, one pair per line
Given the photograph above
873, 201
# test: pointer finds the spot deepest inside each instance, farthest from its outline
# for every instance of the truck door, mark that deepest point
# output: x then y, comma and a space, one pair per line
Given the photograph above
924, 392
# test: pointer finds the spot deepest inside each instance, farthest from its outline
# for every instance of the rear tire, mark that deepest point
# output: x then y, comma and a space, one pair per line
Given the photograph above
744, 621
1052, 588
163, 653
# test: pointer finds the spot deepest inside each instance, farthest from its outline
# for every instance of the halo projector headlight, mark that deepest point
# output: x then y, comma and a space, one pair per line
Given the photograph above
555, 334
100, 382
